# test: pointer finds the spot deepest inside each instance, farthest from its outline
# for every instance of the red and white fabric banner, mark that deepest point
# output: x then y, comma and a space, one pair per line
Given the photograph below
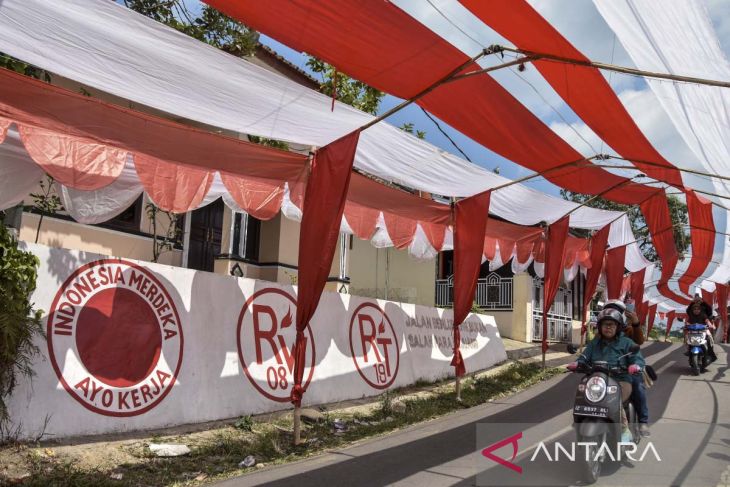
670, 319
637, 293
598, 253
615, 271
583, 88
557, 233
324, 203
652, 316
702, 232
470, 225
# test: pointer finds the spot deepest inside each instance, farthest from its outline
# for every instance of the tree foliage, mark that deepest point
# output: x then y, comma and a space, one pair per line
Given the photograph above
208, 25
20, 323
677, 212
349, 90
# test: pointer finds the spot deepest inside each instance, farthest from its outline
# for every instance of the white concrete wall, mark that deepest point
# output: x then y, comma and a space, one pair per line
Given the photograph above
134, 346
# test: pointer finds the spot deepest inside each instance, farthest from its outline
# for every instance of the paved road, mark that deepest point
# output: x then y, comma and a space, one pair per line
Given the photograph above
692, 438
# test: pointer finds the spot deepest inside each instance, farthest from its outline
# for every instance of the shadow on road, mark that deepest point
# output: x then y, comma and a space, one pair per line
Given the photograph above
401, 461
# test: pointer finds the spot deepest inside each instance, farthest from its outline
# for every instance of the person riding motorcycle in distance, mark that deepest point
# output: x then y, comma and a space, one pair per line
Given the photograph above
609, 344
633, 330
697, 315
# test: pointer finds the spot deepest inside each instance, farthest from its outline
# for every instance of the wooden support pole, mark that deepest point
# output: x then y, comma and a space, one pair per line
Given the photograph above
297, 425
430, 88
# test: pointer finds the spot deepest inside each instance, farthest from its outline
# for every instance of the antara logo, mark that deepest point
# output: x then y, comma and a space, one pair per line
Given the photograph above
560, 452
487, 452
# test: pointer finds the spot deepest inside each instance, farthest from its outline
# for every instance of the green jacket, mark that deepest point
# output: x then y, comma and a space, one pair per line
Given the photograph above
601, 350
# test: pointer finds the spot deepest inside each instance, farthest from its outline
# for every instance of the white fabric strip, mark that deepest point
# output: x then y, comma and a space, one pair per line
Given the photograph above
91, 207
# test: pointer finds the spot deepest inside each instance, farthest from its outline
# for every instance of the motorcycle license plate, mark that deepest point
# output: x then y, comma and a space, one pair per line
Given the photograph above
585, 410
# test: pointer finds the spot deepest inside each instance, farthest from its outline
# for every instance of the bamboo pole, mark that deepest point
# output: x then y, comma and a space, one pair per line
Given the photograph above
297, 425
616, 68
432, 87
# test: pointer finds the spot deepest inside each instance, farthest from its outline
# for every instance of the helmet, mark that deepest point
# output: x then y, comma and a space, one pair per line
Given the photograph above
616, 304
611, 314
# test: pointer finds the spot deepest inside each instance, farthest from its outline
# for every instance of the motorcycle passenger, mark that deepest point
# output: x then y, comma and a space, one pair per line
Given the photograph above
638, 392
697, 315
608, 345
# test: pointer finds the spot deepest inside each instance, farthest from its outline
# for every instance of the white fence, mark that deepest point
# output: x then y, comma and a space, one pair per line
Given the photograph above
560, 316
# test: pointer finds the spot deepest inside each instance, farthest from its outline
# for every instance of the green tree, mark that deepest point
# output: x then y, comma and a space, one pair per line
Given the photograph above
209, 25
46, 201
20, 323
349, 90
677, 212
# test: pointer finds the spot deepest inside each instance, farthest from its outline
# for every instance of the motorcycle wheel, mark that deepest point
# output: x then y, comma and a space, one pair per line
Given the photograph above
693, 362
592, 467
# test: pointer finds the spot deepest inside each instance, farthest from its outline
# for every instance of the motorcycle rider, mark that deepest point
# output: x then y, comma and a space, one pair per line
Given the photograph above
609, 344
634, 331
697, 315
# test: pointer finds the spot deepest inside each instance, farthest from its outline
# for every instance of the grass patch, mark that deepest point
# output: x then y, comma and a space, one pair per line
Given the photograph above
217, 456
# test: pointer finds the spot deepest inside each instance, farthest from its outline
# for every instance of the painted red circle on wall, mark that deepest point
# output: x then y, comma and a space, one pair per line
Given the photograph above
118, 337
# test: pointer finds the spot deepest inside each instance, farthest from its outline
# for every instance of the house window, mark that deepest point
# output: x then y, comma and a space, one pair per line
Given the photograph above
128, 220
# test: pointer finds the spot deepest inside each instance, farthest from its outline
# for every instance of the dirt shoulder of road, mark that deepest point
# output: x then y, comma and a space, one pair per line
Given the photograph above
218, 449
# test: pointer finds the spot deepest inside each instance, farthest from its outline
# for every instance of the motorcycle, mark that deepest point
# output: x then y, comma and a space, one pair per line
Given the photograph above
597, 414
697, 349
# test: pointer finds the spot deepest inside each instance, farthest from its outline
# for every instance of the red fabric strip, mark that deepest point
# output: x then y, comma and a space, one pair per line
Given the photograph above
557, 233
400, 230
490, 248
670, 319
435, 233
652, 316
362, 220
584, 89
615, 258
702, 226
324, 203
76, 162
260, 198
173, 187
33, 103
506, 249
4, 125
637, 288
599, 241
470, 215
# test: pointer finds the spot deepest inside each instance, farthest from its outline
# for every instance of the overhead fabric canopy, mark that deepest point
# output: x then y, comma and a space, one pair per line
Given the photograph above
403, 57
264, 107
109, 154
678, 38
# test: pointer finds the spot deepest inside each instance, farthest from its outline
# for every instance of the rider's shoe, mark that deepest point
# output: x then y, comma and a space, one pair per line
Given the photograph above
644, 430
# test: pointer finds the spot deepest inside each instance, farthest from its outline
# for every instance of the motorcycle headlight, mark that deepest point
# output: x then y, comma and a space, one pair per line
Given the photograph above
595, 389
696, 339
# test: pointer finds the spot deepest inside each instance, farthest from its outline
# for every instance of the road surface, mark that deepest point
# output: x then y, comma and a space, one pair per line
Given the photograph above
691, 440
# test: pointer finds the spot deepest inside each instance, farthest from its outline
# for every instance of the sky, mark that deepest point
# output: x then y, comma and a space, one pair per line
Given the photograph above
582, 25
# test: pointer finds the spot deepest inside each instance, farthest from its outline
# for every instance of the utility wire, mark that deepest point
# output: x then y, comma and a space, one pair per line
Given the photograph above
438, 126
